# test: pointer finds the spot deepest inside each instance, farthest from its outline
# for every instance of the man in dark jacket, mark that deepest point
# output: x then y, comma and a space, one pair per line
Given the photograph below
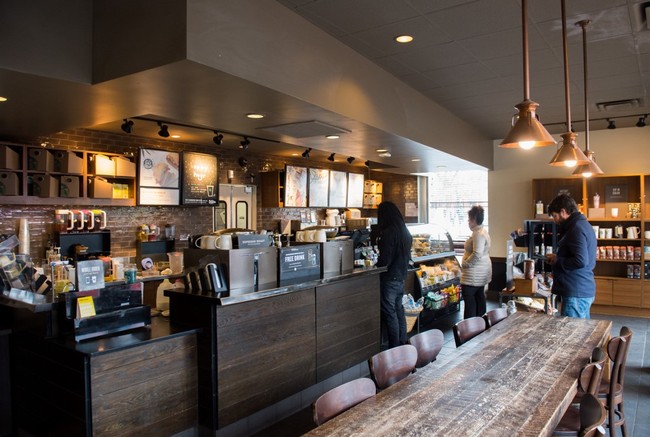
574, 262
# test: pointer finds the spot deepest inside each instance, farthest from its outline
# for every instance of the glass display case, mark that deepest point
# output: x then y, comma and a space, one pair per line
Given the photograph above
430, 241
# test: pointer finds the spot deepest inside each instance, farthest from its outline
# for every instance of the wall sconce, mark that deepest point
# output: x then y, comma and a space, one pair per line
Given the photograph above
305, 154
611, 125
218, 138
127, 126
243, 144
331, 157
231, 175
350, 159
164, 130
641, 122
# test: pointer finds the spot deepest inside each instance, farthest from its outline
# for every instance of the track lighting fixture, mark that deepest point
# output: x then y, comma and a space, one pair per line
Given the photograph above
367, 164
350, 159
641, 122
611, 125
305, 154
164, 130
218, 138
127, 126
331, 157
243, 144
243, 162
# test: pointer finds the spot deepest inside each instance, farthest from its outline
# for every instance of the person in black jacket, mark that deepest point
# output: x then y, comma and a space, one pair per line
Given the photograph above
574, 262
394, 253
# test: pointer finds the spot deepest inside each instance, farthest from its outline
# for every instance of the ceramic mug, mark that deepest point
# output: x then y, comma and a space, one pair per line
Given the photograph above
596, 230
646, 234
300, 236
223, 242
310, 235
320, 236
206, 242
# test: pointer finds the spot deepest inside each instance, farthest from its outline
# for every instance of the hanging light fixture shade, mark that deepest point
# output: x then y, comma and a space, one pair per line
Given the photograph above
568, 154
591, 168
527, 131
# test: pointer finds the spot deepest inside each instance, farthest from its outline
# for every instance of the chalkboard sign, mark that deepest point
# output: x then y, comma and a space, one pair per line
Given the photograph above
299, 262
200, 185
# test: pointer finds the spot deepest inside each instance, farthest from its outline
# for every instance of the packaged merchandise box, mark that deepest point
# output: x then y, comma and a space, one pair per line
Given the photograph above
69, 186
123, 167
99, 188
8, 184
102, 166
67, 162
9, 158
46, 186
40, 160
525, 286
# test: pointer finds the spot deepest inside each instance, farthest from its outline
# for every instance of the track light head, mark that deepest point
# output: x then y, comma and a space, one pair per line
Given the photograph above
305, 154
350, 159
164, 130
243, 144
641, 122
127, 126
243, 162
367, 164
218, 138
612, 124
331, 157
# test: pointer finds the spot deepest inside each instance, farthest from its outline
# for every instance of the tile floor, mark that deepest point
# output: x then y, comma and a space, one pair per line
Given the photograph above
637, 377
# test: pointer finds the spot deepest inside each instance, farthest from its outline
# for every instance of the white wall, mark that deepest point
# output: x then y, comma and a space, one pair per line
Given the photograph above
618, 152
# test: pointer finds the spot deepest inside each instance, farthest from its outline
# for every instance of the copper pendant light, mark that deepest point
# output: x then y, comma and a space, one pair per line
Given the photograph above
591, 168
527, 131
568, 155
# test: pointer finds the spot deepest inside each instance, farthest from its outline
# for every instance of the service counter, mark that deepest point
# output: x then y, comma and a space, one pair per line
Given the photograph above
258, 347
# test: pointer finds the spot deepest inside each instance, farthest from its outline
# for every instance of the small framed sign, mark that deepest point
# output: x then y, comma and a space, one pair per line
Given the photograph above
200, 178
158, 177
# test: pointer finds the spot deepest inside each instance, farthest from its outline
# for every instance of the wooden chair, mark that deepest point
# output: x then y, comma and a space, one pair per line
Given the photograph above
392, 365
494, 316
468, 329
428, 344
342, 398
572, 423
612, 391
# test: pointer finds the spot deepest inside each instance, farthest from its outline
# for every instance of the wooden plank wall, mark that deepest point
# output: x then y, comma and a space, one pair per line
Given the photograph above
148, 390
347, 324
265, 353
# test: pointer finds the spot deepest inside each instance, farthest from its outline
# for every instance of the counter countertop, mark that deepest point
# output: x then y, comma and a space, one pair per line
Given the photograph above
272, 289
160, 329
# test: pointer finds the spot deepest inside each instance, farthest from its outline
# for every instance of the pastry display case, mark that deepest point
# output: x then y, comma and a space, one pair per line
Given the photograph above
430, 241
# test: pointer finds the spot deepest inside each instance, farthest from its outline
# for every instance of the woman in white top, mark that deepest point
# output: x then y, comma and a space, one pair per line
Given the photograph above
477, 266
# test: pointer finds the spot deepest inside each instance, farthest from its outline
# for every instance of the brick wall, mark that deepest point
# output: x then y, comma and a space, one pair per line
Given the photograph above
122, 221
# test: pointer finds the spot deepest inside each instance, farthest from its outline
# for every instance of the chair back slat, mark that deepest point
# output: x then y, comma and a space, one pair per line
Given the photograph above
468, 329
428, 345
342, 398
494, 316
592, 416
392, 365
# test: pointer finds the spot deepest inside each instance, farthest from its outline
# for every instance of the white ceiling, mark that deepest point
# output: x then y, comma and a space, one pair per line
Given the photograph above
467, 57
467, 54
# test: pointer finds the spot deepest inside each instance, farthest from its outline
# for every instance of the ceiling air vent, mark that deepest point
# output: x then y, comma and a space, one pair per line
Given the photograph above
617, 105
305, 129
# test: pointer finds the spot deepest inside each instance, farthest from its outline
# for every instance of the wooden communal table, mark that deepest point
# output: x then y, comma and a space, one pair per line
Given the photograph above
517, 378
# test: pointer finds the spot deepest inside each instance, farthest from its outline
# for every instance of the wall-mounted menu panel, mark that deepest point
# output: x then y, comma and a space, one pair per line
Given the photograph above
199, 179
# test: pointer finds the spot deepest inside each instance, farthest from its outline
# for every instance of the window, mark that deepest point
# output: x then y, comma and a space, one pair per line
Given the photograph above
452, 194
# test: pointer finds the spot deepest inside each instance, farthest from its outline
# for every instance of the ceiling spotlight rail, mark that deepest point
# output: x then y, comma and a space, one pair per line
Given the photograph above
611, 121
218, 134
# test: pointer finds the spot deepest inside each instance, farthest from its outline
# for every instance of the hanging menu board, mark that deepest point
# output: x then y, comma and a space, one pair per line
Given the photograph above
158, 177
199, 186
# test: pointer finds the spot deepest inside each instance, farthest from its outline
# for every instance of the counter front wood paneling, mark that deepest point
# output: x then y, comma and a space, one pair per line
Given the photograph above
265, 352
347, 324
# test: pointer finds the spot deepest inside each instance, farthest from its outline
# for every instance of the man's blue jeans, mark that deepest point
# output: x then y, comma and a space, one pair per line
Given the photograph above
576, 307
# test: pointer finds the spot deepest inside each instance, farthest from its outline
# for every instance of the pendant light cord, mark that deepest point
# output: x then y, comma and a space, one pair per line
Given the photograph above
565, 48
524, 38
584, 24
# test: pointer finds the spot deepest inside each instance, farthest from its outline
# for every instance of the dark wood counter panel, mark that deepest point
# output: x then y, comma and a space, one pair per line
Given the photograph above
256, 349
135, 382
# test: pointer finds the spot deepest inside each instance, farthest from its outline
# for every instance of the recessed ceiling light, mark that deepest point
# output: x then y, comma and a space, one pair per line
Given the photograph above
255, 115
295, 154
381, 150
403, 39
385, 154
333, 137
416, 160
176, 136
441, 166
3, 99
